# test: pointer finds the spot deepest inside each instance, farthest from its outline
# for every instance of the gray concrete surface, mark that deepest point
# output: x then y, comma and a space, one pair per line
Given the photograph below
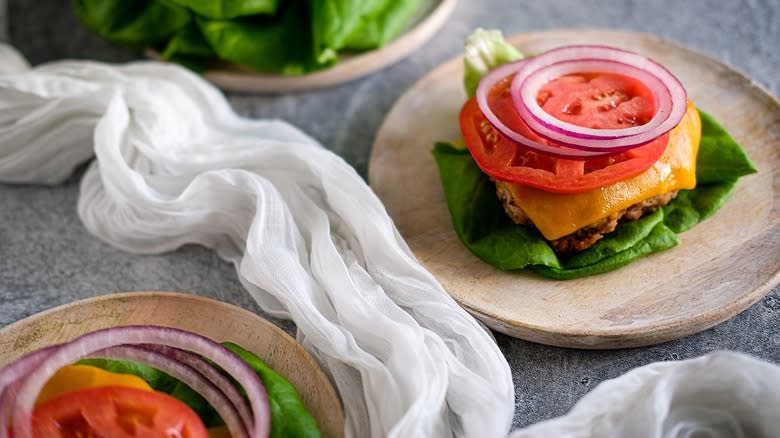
47, 258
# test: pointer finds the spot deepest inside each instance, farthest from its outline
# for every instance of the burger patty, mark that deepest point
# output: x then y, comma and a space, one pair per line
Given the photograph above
590, 234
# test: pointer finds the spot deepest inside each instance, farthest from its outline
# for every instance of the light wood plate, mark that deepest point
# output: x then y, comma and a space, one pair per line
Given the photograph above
213, 319
722, 266
431, 17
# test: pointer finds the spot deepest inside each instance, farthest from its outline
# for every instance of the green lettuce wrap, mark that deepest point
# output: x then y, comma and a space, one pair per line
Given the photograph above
482, 225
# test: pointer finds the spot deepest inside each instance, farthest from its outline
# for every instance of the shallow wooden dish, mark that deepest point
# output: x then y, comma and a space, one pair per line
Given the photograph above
722, 266
216, 320
431, 17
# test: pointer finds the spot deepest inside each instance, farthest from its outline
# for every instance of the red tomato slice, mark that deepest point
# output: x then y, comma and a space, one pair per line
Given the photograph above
506, 160
598, 100
116, 412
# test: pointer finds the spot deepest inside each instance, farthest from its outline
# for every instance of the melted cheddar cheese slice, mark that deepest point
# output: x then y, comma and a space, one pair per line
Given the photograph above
557, 215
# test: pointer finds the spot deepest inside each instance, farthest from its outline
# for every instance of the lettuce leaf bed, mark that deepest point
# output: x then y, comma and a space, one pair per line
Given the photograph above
291, 37
482, 225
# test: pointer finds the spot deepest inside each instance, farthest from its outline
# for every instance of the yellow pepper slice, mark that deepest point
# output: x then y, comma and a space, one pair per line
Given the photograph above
75, 377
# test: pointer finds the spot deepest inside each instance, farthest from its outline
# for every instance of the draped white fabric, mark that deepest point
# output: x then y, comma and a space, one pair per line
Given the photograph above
720, 395
309, 239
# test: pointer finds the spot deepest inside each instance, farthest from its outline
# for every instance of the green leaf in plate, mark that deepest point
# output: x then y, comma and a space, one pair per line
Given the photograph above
267, 43
189, 47
357, 24
137, 23
226, 9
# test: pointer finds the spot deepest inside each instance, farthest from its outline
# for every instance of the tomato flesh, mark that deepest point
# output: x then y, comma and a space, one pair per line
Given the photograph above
507, 160
598, 100
115, 412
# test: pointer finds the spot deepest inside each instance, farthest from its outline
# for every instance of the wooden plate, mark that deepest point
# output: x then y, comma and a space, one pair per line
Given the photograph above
722, 266
431, 17
214, 319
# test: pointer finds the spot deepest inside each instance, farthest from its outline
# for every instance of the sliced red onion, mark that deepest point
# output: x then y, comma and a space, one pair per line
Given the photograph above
187, 374
483, 90
22, 366
530, 77
112, 337
212, 375
7, 397
11, 378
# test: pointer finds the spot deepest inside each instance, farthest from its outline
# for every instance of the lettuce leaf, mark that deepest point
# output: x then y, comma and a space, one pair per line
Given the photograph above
226, 9
291, 37
138, 23
289, 418
481, 224
721, 161
267, 43
484, 51
189, 47
357, 24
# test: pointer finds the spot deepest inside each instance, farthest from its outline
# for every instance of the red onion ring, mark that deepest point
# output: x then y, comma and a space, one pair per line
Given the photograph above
113, 337
7, 397
21, 367
212, 375
11, 378
505, 71
532, 75
195, 380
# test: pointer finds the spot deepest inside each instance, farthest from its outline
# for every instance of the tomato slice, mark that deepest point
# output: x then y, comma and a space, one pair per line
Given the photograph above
598, 100
506, 160
116, 412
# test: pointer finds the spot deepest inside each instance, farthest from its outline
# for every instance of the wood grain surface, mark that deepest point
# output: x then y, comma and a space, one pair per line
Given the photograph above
433, 14
722, 266
213, 319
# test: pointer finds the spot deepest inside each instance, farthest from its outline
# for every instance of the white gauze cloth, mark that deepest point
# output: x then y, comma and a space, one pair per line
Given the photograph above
309, 239
720, 395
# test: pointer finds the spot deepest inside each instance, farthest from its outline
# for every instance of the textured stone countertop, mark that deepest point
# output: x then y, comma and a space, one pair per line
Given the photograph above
47, 258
